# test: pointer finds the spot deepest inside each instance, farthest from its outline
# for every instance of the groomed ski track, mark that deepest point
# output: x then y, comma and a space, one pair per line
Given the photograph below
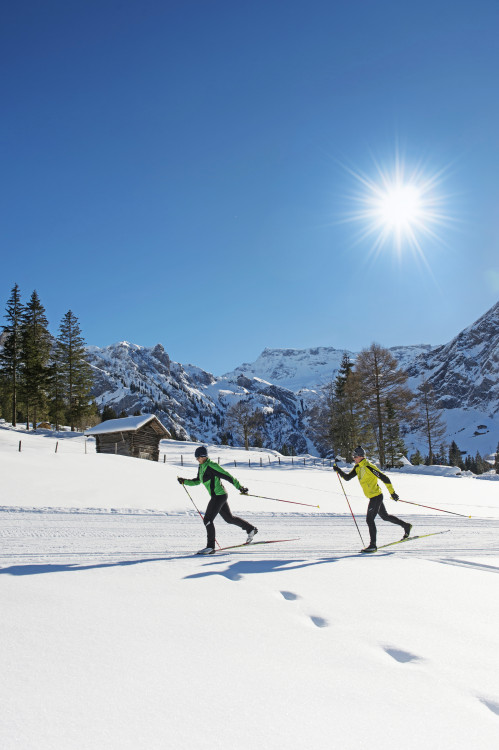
91, 537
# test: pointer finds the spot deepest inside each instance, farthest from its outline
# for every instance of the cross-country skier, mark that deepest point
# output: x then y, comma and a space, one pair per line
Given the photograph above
368, 475
210, 474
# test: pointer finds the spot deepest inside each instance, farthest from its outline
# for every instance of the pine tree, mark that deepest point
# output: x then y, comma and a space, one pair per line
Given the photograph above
380, 380
35, 346
496, 462
481, 465
108, 413
336, 417
76, 373
469, 464
57, 406
455, 456
416, 458
10, 357
345, 422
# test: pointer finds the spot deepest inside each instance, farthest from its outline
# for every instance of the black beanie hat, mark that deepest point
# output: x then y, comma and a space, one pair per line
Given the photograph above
201, 452
359, 451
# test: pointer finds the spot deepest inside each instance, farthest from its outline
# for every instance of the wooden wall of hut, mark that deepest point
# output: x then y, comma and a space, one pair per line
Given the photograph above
141, 443
144, 443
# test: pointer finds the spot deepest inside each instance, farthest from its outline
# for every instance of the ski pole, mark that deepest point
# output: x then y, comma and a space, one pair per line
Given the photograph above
430, 507
192, 501
351, 511
276, 499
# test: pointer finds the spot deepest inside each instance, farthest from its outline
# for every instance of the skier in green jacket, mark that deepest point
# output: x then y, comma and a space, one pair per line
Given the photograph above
210, 474
368, 475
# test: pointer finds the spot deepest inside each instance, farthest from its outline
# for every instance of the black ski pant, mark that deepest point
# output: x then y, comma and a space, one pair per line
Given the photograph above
377, 507
218, 504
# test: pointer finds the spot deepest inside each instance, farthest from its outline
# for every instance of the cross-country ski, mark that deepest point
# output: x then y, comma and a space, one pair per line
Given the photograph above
247, 547
410, 539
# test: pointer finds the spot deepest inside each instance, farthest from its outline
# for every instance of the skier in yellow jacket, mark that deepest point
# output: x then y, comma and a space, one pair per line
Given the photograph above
368, 475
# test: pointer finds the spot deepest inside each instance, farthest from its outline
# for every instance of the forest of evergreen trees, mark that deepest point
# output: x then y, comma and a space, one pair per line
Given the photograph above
42, 377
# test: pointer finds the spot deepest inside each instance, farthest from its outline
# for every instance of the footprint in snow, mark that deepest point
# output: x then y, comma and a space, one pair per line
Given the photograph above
319, 622
401, 656
289, 596
491, 705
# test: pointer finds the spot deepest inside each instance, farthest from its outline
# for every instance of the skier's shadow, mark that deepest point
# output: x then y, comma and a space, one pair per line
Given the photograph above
39, 569
236, 571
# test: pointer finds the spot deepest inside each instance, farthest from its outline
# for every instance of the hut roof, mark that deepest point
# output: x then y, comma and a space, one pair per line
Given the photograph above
126, 424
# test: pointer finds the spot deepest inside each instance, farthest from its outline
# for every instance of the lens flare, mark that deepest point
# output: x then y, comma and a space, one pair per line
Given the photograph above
398, 208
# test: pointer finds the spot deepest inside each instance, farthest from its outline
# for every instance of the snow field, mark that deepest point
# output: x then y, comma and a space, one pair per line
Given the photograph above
115, 638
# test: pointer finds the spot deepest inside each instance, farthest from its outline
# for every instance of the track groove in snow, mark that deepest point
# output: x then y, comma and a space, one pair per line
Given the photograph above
83, 537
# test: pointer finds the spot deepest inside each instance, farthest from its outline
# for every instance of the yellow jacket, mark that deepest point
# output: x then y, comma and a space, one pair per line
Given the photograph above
368, 475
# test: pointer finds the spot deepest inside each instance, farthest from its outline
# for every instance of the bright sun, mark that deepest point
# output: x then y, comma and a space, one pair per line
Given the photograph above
398, 206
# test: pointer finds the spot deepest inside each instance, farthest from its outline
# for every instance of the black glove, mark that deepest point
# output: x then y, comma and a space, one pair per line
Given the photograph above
394, 496
180, 480
335, 467
243, 490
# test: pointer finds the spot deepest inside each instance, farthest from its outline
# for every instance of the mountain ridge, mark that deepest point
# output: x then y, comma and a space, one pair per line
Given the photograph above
284, 383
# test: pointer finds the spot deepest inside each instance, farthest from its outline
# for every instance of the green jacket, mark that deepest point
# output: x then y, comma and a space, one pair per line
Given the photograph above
210, 474
368, 475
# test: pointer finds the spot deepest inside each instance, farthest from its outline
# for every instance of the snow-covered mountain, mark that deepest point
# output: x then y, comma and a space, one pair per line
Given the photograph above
465, 372
465, 376
191, 402
285, 383
306, 371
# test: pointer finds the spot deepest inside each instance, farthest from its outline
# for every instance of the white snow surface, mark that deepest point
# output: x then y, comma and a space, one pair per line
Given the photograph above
114, 636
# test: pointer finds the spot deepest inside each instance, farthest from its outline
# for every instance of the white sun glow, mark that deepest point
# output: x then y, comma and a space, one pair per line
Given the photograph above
398, 207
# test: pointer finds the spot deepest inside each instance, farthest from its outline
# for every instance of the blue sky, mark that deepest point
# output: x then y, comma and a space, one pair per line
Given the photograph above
180, 172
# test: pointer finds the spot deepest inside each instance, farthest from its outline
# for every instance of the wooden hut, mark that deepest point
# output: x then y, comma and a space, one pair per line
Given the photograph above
131, 436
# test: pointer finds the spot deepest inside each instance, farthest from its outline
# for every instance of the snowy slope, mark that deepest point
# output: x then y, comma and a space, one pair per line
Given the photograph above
114, 638
465, 372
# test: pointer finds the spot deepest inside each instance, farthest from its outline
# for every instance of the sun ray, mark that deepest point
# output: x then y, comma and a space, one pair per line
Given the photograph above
398, 207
